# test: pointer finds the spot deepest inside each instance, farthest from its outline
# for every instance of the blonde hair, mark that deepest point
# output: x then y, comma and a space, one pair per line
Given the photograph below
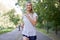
31, 5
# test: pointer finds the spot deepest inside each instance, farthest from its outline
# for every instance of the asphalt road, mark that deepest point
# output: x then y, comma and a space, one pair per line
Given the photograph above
16, 35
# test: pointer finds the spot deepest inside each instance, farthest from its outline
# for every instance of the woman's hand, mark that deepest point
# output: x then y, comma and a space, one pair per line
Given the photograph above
33, 21
27, 15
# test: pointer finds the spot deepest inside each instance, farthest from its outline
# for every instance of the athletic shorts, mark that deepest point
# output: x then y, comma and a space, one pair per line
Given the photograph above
31, 37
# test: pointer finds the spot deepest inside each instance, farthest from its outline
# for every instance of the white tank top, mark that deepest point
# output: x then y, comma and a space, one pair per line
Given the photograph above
29, 29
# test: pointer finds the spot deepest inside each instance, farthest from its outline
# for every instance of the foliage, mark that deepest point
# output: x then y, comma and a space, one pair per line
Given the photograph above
1, 27
5, 30
48, 11
13, 18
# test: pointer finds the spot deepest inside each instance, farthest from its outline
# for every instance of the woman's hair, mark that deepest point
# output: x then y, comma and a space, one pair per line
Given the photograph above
31, 5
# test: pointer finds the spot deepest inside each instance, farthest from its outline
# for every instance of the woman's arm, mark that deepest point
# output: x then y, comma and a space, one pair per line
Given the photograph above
33, 21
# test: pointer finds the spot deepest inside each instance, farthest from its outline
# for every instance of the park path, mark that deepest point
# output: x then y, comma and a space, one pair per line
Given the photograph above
16, 35
10, 35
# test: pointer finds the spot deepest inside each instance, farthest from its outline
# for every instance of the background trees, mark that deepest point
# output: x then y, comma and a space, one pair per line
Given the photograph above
48, 13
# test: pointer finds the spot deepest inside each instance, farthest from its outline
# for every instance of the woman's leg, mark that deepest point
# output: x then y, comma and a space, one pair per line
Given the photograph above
25, 38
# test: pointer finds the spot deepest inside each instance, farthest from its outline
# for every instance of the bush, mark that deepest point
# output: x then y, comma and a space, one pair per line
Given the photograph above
1, 28
10, 27
5, 31
40, 25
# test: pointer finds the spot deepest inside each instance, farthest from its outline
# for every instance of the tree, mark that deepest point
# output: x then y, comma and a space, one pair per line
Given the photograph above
12, 17
48, 10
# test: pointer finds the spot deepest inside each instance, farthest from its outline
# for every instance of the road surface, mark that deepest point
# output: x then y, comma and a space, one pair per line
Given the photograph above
16, 35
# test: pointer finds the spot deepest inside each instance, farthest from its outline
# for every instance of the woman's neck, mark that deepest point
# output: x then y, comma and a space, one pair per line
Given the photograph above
29, 12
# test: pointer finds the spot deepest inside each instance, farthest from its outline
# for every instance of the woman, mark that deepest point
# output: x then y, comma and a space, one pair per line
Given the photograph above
29, 22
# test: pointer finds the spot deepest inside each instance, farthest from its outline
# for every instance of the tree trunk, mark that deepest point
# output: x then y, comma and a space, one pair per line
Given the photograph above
47, 27
56, 29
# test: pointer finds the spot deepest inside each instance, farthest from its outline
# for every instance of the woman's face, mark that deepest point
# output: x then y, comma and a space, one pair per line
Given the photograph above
29, 7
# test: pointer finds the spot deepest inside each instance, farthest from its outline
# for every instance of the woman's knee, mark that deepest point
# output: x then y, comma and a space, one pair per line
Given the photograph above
25, 38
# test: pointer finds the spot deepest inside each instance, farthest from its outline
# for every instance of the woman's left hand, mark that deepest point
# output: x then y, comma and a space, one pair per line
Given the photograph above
28, 16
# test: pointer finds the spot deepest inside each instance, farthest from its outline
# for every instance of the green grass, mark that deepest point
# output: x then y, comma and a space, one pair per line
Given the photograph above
51, 35
5, 31
42, 30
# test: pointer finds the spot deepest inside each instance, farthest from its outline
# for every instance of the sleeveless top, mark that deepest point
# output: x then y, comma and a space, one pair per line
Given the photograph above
29, 29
